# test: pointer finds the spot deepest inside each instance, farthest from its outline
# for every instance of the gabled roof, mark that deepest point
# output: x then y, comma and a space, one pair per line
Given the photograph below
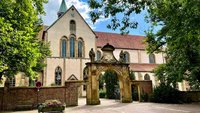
120, 41
72, 77
65, 13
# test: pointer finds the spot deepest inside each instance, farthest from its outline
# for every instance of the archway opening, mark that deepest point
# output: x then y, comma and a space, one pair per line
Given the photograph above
109, 85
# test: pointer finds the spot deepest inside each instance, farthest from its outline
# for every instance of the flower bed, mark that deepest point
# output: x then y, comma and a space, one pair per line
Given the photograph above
51, 105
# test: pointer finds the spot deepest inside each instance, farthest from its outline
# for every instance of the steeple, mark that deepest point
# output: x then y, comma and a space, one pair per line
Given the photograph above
62, 9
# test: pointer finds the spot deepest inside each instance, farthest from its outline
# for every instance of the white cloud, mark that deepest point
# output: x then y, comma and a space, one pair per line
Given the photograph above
52, 7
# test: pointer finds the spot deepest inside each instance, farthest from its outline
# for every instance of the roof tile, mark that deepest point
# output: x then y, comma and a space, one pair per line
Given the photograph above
142, 67
120, 41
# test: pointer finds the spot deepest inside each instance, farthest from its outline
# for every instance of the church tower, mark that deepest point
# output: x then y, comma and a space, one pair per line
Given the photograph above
63, 9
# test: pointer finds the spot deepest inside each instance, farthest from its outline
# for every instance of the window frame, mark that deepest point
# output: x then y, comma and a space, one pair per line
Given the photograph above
72, 27
147, 77
61, 47
72, 47
152, 59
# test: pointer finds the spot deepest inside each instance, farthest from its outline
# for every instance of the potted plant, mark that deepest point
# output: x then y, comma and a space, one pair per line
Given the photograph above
51, 105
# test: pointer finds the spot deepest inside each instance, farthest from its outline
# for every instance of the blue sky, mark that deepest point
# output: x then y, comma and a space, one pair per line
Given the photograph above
52, 8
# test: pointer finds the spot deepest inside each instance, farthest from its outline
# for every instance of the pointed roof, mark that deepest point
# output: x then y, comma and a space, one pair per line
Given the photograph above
63, 7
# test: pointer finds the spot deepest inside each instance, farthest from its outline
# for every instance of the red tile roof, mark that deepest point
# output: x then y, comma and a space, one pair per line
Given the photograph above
120, 41
142, 67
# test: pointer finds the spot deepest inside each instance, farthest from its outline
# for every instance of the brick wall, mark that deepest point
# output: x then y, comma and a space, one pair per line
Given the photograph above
16, 97
145, 85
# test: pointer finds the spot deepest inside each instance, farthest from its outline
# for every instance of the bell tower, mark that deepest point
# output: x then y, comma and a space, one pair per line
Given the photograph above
63, 8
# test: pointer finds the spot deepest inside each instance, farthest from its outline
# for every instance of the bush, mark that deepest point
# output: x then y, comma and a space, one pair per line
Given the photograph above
135, 96
111, 81
166, 94
144, 97
102, 94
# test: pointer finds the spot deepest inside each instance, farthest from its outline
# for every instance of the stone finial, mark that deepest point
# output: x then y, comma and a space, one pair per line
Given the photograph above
92, 55
121, 56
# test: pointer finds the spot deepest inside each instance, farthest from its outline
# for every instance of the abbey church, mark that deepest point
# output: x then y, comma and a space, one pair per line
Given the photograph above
71, 39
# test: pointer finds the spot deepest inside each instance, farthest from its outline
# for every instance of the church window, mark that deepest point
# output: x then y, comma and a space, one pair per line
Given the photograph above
58, 76
63, 47
80, 48
72, 27
98, 55
72, 47
146, 77
151, 58
12, 82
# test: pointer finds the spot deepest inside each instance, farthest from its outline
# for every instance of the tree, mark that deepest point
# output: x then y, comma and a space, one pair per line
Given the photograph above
112, 84
19, 47
178, 38
116, 8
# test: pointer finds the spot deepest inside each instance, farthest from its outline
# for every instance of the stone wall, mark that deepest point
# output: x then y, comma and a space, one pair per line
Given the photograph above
17, 98
190, 96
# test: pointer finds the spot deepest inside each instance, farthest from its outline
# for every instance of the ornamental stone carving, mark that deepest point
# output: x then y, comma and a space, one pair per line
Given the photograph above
107, 62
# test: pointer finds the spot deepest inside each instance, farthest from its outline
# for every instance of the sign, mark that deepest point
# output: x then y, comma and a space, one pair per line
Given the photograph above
38, 84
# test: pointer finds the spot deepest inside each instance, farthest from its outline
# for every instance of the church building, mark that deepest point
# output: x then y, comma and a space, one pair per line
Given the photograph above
71, 39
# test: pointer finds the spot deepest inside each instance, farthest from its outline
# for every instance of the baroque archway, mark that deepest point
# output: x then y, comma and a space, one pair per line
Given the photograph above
107, 62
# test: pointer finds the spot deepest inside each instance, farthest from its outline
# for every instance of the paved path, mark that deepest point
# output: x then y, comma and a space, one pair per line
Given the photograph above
112, 106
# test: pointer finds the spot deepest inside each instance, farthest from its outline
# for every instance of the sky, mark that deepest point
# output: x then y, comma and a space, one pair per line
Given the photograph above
52, 7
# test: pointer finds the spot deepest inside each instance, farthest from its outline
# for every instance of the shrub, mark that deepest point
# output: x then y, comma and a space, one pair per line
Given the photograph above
132, 75
111, 81
102, 94
166, 94
144, 97
135, 96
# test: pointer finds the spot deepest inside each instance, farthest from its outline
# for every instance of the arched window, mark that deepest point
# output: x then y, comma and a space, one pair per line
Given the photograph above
98, 55
58, 76
80, 48
126, 56
151, 58
63, 47
72, 27
146, 77
12, 82
72, 47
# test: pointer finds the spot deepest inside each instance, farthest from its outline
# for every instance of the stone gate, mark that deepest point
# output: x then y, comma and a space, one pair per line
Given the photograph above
107, 62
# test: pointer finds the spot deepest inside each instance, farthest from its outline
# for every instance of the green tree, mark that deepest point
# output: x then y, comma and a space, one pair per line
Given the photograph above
111, 81
178, 38
19, 47
116, 9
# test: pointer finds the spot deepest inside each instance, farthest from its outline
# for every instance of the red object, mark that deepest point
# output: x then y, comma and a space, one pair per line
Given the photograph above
142, 67
38, 84
120, 41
